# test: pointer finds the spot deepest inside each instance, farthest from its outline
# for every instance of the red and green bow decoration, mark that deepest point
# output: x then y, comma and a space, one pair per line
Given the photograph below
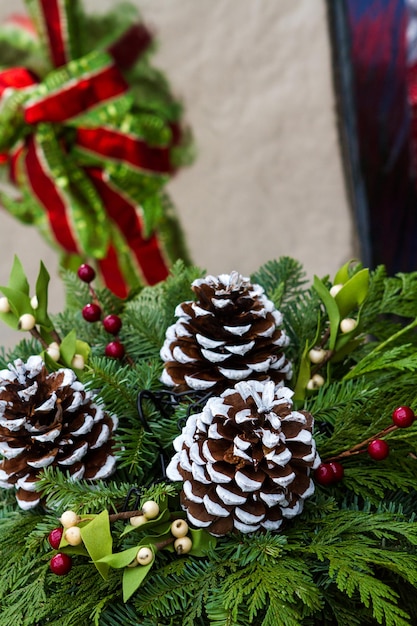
89, 136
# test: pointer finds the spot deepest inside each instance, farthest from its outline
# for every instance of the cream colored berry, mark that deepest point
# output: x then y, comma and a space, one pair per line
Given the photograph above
348, 324
179, 528
4, 305
26, 321
183, 545
334, 290
78, 362
317, 355
69, 518
53, 351
150, 509
315, 382
144, 556
138, 520
73, 536
34, 302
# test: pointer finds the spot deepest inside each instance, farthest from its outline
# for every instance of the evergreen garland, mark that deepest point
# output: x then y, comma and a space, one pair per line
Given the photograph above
350, 558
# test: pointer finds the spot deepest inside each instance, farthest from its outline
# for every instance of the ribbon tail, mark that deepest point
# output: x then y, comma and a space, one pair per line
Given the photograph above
57, 23
147, 255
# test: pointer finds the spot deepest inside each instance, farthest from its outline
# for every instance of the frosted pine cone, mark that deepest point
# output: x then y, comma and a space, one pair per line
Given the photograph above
230, 333
245, 460
49, 420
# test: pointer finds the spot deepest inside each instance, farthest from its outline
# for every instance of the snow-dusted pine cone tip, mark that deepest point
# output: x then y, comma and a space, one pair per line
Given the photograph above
50, 420
231, 333
245, 460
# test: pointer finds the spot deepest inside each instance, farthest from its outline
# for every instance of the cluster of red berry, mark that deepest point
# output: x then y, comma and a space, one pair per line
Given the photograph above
331, 472
92, 312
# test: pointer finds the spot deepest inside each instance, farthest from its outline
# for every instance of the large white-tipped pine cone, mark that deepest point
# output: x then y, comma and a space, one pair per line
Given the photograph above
231, 333
245, 460
50, 420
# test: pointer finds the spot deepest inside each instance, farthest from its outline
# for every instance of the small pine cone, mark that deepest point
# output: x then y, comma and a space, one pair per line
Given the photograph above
49, 420
245, 460
231, 333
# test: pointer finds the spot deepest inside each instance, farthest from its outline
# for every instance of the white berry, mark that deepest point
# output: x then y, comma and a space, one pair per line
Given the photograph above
144, 556
335, 289
69, 518
315, 382
34, 302
150, 509
348, 324
4, 305
179, 528
73, 536
138, 520
317, 355
53, 351
26, 321
78, 362
183, 545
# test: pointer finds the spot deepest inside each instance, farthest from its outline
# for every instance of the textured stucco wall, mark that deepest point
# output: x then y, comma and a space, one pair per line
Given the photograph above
256, 81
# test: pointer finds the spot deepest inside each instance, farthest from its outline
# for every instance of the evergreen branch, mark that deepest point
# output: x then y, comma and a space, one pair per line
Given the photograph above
62, 493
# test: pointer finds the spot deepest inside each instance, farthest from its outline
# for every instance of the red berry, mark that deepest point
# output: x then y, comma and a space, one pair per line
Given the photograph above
115, 350
112, 324
91, 312
60, 564
378, 449
403, 416
338, 471
86, 273
324, 474
54, 537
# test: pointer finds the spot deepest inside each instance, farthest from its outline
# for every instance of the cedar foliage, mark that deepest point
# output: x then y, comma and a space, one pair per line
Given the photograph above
349, 559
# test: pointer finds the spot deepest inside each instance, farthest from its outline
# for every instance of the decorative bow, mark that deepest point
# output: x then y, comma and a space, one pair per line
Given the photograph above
89, 136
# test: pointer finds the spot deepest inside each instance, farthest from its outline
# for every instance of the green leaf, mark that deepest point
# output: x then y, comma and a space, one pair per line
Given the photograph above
304, 375
120, 559
68, 348
133, 577
203, 542
157, 524
19, 304
342, 275
331, 308
97, 539
353, 292
42, 282
17, 278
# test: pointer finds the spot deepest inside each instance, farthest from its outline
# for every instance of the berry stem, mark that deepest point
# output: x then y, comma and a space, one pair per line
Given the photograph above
362, 446
124, 515
55, 336
36, 334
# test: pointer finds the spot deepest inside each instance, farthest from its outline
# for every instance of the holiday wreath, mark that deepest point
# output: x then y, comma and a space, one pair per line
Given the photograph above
213, 450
